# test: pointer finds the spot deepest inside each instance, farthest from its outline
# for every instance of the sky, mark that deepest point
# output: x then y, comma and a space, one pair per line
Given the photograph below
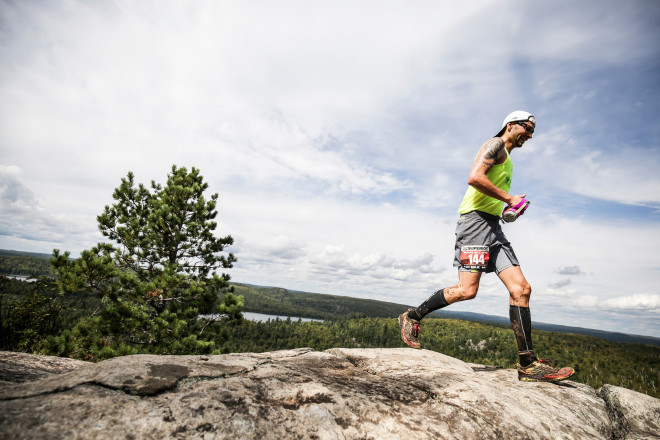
339, 136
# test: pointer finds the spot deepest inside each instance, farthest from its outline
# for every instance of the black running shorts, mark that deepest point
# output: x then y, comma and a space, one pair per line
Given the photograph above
481, 245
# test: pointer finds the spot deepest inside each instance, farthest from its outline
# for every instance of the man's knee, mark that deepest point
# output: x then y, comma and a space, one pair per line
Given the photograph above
467, 287
466, 292
470, 292
461, 292
526, 289
522, 291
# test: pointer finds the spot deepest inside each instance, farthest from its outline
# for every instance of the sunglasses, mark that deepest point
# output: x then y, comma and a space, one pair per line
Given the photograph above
528, 129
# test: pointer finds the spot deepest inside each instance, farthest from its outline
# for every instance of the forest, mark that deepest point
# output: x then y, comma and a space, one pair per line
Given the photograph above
23, 263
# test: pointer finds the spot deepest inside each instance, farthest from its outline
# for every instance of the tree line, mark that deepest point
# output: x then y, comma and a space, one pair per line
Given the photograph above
24, 265
278, 301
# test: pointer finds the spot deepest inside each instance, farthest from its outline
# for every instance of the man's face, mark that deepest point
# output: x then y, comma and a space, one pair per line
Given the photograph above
522, 132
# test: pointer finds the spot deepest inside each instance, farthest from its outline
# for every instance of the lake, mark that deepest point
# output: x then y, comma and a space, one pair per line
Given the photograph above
263, 317
21, 278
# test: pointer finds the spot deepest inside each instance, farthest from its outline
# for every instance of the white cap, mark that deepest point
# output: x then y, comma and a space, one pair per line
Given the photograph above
518, 115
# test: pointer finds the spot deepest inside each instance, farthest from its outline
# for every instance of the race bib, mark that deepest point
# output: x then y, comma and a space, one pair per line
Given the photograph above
474, 257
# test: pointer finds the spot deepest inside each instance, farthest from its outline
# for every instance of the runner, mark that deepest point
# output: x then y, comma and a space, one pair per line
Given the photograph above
482, 247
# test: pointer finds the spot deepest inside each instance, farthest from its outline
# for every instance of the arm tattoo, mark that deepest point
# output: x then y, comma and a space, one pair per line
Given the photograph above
491, 151
493, 148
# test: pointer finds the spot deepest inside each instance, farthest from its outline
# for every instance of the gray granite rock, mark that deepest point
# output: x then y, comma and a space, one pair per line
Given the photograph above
304, 394
24, 367
634, 416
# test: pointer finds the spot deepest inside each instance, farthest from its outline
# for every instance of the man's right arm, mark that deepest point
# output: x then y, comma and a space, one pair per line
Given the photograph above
491, 153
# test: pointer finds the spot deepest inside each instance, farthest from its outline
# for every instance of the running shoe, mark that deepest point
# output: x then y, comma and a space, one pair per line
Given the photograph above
409, 330
541, 372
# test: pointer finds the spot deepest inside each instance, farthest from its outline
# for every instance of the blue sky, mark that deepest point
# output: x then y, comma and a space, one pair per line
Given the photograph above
339, 136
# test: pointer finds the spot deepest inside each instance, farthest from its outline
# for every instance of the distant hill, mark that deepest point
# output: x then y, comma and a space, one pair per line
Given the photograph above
610, 336
284, 302
24, 254
25, 263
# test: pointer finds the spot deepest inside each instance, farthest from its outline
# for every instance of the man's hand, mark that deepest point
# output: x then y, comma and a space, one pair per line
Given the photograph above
513, 211
515, 199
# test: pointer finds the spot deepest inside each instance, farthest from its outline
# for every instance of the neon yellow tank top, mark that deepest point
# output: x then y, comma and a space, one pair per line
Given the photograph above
500, 175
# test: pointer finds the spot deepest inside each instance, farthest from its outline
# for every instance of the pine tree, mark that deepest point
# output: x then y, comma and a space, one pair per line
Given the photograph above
157, 277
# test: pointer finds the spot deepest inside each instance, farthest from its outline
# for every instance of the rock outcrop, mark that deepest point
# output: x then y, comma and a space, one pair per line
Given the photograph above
304, 394
23, 367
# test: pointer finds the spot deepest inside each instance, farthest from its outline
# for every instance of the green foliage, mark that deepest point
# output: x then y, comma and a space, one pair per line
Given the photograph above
14, 263
171, 227
25, 319
597, 361
158, 277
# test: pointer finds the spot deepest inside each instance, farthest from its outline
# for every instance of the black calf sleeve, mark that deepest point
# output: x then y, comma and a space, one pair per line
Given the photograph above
433, 303
521, 322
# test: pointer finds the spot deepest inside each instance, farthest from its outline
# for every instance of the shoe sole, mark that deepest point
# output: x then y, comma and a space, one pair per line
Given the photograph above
403, 335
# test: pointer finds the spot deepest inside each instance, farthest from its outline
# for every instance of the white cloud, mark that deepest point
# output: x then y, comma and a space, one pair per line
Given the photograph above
621, 177
380, 266
15, 196
573, 165
559, 292
27, 223
282, 248
559, 284
340, 134
586, 301
640, 301
570, 270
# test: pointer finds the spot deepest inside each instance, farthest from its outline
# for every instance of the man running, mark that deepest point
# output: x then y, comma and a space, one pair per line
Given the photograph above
482, 247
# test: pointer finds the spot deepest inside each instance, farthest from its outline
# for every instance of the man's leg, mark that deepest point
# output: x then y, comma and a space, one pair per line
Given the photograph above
530, 368
468, 284
519, 314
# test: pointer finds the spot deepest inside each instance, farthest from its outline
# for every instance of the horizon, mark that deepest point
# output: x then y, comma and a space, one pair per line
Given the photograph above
339, 137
